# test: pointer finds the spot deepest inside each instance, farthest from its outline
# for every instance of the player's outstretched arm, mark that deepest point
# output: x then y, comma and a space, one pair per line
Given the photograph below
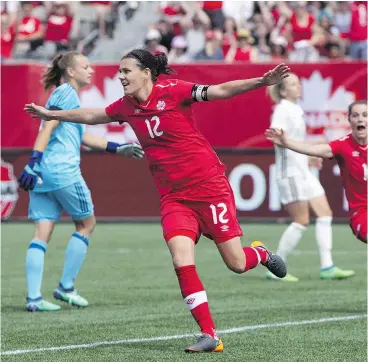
278, 137
133, 150
81, 115
236, 87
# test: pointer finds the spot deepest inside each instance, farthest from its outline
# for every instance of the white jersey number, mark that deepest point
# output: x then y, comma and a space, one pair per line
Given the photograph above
154, 132
219, 217
365, 170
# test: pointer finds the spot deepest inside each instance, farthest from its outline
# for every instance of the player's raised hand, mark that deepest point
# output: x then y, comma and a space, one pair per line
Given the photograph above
276, 135
275, 75
38, 112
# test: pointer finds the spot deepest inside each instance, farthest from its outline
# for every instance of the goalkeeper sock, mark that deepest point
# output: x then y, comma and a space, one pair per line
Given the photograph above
74, 257
324, 240
290, 239
195, 298
34, 267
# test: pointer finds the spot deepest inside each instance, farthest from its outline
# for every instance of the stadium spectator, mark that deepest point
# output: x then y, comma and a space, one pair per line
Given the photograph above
241, 11
152, 42
211, 50
330, 34
173, 13
229, 34
214, 11
7, 37
30, 31
278, 49
167, 33
358, 31
178, 53
342, 18
242, 49
58, 26
102, 9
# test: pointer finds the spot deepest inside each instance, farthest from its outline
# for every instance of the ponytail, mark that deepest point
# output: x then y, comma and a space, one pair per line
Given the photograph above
52, 76
162, 64
274, 92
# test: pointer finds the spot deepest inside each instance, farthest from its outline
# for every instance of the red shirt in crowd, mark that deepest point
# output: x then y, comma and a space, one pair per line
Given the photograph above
301, 32
58, 28
7, 42
29, 25
358, 27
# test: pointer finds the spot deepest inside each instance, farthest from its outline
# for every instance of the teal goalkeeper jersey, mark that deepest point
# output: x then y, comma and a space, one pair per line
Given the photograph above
60, 166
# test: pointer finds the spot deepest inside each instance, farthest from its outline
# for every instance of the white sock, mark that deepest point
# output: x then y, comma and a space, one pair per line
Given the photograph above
290, 239
324, 240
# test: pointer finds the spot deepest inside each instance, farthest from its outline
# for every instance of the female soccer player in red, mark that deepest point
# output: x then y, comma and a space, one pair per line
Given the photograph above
196, 197
350, 152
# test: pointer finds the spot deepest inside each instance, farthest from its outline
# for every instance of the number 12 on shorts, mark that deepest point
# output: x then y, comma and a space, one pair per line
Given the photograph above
218, 213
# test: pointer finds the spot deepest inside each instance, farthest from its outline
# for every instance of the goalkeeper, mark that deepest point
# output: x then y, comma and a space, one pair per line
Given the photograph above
55, 183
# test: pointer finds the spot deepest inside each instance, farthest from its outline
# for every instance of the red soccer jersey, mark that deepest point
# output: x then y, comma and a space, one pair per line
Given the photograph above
352, 160
177, 153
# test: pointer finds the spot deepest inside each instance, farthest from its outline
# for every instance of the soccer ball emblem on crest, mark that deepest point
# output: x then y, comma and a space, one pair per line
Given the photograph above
161, 105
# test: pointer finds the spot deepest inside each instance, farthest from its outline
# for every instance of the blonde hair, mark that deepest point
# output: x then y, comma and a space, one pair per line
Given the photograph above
52, 76
274, 91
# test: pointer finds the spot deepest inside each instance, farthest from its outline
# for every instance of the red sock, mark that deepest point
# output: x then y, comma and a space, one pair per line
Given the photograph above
195, 298
254, 256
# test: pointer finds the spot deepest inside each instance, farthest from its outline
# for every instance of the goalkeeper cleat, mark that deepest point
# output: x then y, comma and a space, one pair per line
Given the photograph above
71, 297
40, 305
206, 343
274, 264
335, 273
288, 277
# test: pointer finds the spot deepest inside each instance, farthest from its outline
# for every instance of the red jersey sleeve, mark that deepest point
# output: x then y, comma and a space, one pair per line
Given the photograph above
337, 146
187, 91
116, 111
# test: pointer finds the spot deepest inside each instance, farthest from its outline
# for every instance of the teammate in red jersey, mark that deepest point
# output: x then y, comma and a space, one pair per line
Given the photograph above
196, 197
350, 152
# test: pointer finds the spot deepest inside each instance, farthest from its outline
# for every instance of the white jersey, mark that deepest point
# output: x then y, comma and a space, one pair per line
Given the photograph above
289, 117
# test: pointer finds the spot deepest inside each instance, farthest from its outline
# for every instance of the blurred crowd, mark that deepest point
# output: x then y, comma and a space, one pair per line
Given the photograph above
258, 31
40, 29
223, 31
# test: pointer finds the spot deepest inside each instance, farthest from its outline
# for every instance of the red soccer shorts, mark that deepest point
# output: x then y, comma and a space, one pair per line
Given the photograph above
358, 224
206, 208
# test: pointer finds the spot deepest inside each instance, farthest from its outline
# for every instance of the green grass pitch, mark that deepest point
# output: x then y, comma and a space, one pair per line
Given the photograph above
133, 293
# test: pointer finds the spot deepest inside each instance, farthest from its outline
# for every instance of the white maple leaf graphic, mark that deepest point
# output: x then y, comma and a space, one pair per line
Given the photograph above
93, 98
324, 110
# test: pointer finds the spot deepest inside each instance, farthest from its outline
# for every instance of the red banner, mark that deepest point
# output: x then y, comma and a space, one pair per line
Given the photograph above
123, 188
328, 89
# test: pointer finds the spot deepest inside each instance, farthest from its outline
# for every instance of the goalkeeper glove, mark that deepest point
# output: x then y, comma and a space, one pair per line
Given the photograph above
133, 150
32, 172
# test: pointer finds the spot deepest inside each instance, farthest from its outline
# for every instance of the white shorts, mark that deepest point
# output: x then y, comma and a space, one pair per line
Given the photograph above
299, 188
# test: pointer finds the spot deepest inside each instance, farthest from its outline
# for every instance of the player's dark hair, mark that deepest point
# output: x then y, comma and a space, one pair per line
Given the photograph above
157, 63
350, 108
52, 76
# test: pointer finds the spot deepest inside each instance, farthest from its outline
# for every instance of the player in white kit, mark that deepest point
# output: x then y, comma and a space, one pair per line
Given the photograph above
299, 188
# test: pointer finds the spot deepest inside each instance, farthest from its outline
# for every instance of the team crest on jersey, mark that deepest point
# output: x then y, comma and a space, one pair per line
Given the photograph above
9, 186
161, 105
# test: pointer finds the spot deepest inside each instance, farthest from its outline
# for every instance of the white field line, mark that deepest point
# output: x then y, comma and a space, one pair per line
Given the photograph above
180, 336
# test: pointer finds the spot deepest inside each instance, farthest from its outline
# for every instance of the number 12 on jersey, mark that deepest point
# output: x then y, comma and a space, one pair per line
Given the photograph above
153, 132
218, 213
